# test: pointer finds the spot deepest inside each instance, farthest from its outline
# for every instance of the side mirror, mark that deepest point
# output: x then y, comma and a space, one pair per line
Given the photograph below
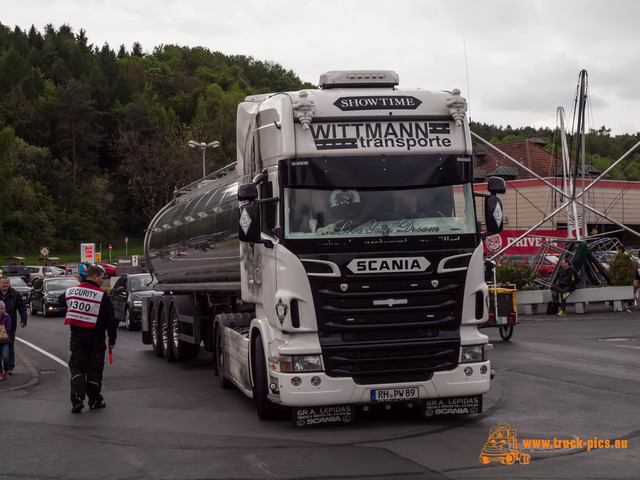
496, 185
247, 192
250, 227
493, 214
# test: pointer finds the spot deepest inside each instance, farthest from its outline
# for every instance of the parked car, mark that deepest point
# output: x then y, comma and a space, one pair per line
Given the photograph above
22, 287
109, 269
15, 271
126, 296
607, 257
39, 271
547, 267
46, 293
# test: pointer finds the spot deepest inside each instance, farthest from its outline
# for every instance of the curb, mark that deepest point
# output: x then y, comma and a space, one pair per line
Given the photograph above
33, 376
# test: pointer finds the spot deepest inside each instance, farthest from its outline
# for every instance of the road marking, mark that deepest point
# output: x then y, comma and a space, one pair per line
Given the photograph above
44, 352
627, 346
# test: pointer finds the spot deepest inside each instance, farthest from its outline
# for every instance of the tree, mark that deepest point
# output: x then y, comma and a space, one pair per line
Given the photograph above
7, 139
13, 68
623, 269
78, 131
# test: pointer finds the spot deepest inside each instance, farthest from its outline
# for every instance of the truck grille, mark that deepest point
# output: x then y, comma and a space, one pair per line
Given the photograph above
389, 331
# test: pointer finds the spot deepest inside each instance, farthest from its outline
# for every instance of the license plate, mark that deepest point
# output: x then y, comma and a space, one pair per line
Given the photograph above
394, 394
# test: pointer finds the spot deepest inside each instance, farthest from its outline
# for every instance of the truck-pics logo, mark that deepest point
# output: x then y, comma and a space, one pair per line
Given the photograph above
502, 445
388, 265
375, 135
348, 104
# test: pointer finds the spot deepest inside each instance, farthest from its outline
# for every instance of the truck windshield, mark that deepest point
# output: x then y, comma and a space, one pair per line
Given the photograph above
316, 213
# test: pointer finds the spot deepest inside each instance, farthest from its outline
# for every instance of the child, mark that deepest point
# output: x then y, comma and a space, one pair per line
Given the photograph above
5, 319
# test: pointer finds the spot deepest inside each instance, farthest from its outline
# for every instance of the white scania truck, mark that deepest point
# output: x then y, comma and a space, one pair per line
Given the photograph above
338, 263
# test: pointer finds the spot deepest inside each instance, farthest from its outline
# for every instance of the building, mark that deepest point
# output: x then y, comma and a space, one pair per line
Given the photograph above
529, 200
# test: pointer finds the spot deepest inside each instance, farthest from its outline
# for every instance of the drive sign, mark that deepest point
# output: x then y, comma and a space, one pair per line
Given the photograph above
87, 252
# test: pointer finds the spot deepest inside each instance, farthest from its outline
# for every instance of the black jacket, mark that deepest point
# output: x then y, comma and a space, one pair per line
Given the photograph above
14, 304
568, 277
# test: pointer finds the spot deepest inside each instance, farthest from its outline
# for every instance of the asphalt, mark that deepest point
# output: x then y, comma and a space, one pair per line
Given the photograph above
26, 375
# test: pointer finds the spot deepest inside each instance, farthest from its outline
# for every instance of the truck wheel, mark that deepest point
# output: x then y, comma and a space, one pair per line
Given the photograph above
267, 410
484, 460
524, 459
154, 326
506, 332
509, 459
225, 383
166, 337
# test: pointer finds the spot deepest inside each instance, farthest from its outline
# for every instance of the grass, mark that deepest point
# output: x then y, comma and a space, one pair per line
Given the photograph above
134, 247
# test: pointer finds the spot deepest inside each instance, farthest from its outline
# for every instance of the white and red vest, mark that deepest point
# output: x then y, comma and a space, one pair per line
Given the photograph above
83, 305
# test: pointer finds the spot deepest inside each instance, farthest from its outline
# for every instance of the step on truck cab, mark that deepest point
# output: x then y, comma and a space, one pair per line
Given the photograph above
338, 263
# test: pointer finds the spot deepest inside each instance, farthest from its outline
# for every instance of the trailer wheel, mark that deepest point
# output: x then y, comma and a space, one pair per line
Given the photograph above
220, 363
165, 329
267, 410
156, 333
181, 350
506, 332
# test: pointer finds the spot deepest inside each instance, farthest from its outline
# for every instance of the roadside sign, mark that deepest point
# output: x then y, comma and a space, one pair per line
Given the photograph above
110, 247
44, 251
87, 252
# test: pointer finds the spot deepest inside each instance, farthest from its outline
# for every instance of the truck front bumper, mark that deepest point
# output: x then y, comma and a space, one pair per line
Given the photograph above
317, 388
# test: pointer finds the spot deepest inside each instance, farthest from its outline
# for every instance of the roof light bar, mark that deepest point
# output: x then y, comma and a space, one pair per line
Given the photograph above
359, 78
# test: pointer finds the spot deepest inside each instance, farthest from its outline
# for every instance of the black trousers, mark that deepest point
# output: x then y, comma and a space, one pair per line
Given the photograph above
86, 365
557, 291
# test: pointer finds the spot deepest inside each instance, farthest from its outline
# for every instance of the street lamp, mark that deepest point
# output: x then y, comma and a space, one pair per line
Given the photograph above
203, 146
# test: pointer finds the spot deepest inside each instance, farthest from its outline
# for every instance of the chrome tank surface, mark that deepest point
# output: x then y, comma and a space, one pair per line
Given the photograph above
194, 239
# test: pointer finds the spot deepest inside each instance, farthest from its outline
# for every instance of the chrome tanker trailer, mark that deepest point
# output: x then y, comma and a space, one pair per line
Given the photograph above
338, 264
192, 249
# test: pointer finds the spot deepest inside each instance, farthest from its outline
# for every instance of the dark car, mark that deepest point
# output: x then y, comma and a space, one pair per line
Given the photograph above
45, 296
127, 294
22, 287
15, 271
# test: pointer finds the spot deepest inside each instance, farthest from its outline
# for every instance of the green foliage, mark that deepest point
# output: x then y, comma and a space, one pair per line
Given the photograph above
519, 274
623, 270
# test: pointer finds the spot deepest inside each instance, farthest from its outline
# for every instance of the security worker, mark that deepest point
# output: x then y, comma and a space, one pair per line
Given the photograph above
90, 314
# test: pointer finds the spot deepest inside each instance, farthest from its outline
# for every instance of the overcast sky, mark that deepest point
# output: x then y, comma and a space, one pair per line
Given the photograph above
516, 61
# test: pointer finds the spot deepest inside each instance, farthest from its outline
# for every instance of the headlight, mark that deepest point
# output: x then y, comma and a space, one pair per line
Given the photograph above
475, 353
300, 363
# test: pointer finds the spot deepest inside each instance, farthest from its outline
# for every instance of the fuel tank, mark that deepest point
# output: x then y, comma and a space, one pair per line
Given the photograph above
193, 240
